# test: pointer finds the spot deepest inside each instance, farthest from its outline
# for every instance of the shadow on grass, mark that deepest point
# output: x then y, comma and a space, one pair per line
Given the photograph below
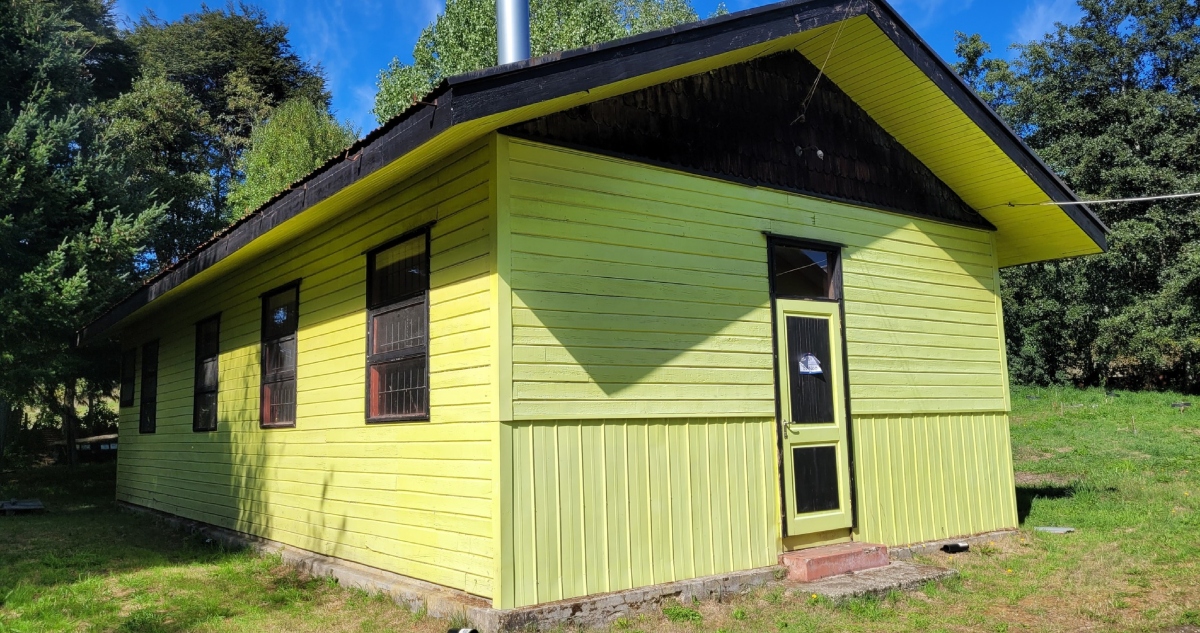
85, 564
1026, 495
83, 532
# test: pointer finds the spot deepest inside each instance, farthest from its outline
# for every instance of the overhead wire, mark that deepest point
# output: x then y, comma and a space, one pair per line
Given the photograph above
812, 90
1169, 196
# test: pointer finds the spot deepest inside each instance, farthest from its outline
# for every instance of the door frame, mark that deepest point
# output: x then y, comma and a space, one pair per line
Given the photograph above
774, 239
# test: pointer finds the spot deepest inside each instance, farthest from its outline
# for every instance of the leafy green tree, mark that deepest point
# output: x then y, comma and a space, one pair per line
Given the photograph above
235, 65
163, 133
463, 38
1111, 103
71, 229
297, 138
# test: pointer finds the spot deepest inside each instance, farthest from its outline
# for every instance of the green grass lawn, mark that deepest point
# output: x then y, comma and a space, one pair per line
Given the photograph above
1124, 471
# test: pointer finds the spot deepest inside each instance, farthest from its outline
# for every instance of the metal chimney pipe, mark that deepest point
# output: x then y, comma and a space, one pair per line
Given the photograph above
512, 26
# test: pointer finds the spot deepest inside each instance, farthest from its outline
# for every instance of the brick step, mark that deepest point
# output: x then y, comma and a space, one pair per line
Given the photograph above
807, 565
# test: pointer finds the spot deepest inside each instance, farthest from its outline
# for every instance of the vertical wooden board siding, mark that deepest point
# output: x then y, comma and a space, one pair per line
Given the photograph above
928, 477
618, 504
641, 291
412, 498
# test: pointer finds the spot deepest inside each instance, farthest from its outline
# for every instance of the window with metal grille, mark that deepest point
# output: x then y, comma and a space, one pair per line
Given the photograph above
148, 416
208, 348
128, 375
398, 331
281, 314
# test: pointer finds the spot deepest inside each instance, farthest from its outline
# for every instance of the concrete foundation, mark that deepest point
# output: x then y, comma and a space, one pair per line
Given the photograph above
443, 602
924, 549
588, 611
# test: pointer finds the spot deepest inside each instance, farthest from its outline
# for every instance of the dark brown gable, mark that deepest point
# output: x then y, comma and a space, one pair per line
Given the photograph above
743, 123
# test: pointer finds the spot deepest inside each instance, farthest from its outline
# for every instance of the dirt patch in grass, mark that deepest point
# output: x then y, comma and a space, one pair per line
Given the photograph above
1023, 478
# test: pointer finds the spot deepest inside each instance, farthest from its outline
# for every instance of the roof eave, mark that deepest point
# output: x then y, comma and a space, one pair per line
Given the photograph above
492, 91
937, 69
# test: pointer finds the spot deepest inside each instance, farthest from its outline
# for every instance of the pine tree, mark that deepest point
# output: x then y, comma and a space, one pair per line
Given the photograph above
71, 233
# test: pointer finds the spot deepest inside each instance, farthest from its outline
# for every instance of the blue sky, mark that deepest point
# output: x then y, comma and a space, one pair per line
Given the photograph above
354, 40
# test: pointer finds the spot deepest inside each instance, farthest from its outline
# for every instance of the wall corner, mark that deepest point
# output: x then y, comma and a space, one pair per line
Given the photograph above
501, 374
1000, 326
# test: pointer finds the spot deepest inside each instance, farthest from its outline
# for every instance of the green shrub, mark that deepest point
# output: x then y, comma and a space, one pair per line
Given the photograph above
680, 613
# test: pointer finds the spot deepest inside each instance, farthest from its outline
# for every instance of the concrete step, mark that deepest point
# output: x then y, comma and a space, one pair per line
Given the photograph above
880, 581
807, 565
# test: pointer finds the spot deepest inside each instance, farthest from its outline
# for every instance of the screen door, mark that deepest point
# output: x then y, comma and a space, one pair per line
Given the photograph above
813, 416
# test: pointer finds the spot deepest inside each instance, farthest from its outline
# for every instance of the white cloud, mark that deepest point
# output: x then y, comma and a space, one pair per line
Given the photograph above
1040, 16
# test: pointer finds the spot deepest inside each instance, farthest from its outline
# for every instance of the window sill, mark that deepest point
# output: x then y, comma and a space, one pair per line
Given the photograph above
288, 425
402, 418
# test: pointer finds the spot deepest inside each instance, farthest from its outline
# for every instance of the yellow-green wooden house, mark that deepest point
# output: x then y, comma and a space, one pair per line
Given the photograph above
653, 310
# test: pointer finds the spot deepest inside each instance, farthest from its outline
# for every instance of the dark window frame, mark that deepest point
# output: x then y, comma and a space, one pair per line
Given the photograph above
837, 292
264, 382
148, 411
833, 254
128, 394
375, 308
199, 389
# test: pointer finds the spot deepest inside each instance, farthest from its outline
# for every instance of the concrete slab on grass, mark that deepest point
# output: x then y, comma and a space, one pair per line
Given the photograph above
898, 576
21, 506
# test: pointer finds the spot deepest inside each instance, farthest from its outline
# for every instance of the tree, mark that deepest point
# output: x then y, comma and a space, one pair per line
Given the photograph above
71, 231
297, 138
163, 133
1111, 102
463, 38
233, 66
117, 152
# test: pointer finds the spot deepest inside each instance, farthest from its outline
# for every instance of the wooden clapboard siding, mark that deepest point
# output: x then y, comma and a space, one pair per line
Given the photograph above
761, 137
641, 291
412, 498
927, 477
607, 505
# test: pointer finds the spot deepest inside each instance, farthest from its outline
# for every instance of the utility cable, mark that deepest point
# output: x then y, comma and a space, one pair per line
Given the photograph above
1170, 196
821, 72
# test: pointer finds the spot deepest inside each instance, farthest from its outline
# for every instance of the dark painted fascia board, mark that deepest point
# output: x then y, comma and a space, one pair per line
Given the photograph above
476, 95
492, 91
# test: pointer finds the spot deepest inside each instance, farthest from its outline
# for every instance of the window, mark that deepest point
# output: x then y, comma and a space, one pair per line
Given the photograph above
147, 419
208, 348
803, 273
128, 375
398, 331
281, 313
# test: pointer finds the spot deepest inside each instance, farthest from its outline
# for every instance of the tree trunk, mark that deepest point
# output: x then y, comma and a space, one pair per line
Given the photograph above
70, 423
4, 412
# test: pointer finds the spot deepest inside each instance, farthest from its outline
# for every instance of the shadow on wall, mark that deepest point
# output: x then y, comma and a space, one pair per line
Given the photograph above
629, 340
279, 480
641, 273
